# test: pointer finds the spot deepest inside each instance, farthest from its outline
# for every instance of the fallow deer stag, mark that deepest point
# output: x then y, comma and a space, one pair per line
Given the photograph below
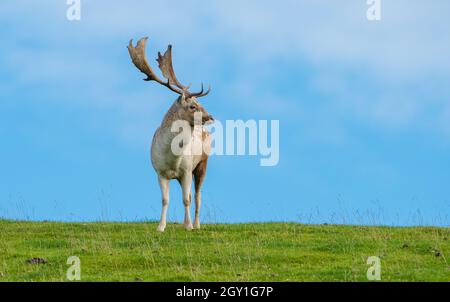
169, 165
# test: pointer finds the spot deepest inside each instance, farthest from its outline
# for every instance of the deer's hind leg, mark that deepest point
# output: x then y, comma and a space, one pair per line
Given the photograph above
199, 176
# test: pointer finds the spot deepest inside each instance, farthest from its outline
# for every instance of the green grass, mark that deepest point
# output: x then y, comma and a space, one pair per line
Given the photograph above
220, 252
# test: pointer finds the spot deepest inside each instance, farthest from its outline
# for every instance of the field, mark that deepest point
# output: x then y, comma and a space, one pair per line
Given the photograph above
221, 252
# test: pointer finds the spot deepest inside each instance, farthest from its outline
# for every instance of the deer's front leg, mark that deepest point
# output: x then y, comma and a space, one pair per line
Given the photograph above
164, 185
186, 184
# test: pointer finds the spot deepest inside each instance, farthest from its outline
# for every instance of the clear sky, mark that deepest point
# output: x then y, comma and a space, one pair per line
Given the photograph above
364, 109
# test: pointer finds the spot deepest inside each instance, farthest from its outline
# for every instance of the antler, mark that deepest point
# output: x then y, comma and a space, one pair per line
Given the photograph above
139, 59
201, 93
165, 64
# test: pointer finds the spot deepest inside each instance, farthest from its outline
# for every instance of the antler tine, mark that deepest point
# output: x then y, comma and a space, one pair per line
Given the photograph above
139, 59
201, 93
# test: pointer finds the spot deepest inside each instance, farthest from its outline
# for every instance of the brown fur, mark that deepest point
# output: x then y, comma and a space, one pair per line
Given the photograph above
200, 173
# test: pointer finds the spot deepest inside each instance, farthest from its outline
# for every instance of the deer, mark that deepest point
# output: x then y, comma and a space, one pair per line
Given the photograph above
185, 167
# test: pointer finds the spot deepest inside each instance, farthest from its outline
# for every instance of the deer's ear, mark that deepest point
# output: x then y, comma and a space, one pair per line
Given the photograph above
182, 100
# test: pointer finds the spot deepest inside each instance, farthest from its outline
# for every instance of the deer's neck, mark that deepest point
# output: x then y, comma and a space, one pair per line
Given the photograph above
171, 116
165, 134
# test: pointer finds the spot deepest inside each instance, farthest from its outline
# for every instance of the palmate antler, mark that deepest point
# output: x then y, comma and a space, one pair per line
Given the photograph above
139, 59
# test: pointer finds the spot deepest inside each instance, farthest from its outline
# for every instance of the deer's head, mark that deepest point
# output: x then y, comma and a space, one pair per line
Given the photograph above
188, 105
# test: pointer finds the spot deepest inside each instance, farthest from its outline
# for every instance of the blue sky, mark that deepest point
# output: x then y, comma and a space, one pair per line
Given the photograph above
364, 109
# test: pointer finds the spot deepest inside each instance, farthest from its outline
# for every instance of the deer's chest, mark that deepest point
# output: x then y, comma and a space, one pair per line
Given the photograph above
170, 164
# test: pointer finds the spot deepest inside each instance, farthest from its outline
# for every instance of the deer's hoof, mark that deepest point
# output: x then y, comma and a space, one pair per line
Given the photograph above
161, 228
197, 225
188, 227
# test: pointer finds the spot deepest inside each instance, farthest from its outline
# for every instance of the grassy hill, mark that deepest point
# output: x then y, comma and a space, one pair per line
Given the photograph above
236, 252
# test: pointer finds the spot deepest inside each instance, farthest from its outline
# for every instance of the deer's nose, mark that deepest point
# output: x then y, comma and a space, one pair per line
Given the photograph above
208, 120
208, 117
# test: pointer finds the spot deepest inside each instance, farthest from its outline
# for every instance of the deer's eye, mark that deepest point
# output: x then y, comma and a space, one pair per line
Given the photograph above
192, 107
